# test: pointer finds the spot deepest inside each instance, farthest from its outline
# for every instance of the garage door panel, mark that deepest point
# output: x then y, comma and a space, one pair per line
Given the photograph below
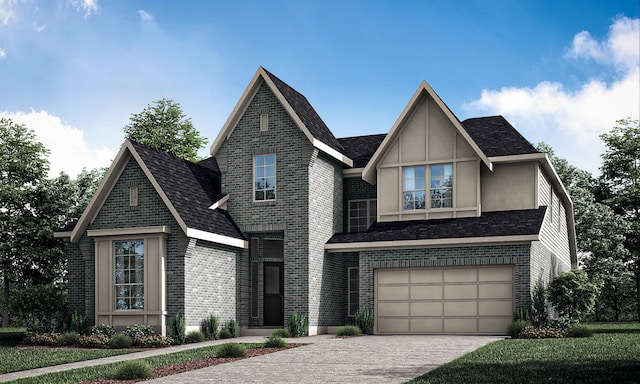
495, 308
461, 308
426, 292
495, 291
495, 274
426, 308
494, 325
393, 309
393, 292
460, 275
460, 292
393, 277
422, 325
460, 325
419, 276
393, 325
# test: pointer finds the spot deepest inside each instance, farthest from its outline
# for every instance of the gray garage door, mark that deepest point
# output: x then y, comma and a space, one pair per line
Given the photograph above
461, 300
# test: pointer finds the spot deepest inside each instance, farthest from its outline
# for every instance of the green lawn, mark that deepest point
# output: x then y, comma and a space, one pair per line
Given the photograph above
109, 370
612, 355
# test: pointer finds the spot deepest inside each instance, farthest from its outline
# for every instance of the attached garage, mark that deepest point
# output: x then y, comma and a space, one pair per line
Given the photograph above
455, 300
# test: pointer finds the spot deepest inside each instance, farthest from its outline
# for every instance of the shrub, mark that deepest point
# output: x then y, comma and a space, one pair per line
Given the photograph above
531, 332
94, 341
11, 338
349, 330
225, 334
522, 313
137, 330
275, 342
281, 332
153, 341
41, 306
49, 338
68, 338
579, 331
297, 324
364, 320
572, 293
211, 327
562, 323
78, 323
177, 328
120, 341
132, 370
194, 337
232, 327
539, 313
516, 327
103, 329
231, 350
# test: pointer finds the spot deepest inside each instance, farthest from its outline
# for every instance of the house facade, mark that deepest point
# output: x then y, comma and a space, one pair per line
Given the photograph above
438, 226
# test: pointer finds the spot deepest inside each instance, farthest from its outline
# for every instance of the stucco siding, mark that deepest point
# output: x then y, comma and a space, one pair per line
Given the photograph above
509, 186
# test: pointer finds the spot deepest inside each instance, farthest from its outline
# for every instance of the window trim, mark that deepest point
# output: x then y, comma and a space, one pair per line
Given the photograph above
349, 291
115, 269
370, 219
275, 178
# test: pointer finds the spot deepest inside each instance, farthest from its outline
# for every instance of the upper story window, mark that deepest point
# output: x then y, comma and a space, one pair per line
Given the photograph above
129, 274
362, 213
441, 187
413, 187
264, 169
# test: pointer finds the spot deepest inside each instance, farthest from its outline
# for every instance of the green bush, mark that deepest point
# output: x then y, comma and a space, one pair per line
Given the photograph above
539, 313
364, 320
153, 341
68, 338
562, 323
579, 331
11, 338
194, 337
137, 330
522, 313
281, 332
275, 342
177, 328
40, 307
211, 327
232, 327
349, 330
297, 324
94, 341
36, 338
231, 350
573, 294
103, 329
120, 341
78, 323
516, 327
132, 370
531, 332
225, 334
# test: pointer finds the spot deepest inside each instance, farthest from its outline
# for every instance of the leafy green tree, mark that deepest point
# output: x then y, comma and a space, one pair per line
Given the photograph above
621, 181
572, 293
164, 126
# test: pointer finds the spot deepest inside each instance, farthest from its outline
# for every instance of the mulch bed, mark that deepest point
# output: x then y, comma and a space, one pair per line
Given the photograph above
192, 365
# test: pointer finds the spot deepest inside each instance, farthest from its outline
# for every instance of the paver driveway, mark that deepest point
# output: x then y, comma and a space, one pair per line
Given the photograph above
368, 359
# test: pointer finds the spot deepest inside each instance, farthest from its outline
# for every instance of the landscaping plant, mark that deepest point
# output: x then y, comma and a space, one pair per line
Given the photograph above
194, 337
211, 327
232, 327
349, 330
281, 332
297, 324
133, 370
539, 313
364, 320
572, 293
231, 350
225, 334
68, 339
103, 329
78, 323
275, 342
177, 328
120, 341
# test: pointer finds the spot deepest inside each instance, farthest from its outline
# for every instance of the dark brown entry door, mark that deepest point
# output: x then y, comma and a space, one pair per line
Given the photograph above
273, 294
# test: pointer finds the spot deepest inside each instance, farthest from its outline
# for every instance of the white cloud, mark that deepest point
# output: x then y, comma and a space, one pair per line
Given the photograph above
69, 152
7, 13
38, 28
89, 7
144, 15
3, 54
571, 121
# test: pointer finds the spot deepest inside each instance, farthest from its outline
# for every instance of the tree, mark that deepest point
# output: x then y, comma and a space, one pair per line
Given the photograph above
164, 126
572, 293
621, 181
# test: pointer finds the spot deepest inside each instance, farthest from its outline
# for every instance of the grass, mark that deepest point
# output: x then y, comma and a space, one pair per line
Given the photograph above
14, 359
12, 329
109, 370
612, 355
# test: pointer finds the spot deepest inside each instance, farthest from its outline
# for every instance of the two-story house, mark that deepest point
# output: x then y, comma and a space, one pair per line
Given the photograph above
438, 226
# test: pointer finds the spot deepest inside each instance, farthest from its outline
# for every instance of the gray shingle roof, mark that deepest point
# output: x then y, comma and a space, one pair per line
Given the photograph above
191, 188
503, 223
307, 114
360, 149
497, 137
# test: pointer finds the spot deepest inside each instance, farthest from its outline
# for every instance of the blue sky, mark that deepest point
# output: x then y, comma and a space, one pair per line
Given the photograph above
75, 70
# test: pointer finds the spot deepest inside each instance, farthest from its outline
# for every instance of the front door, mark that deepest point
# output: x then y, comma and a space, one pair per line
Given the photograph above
273, 294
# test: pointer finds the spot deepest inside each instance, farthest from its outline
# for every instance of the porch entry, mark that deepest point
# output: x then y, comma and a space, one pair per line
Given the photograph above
273, 294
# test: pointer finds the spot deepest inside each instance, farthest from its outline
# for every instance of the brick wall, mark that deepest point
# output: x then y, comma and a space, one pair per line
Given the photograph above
354, 188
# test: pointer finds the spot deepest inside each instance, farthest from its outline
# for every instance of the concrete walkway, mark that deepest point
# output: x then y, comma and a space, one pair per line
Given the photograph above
373, 359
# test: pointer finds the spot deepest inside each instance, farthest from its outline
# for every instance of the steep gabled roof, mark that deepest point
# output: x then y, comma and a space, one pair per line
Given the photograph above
187, 189
369, 173
507, 224
497, 137
361, 148
298, 108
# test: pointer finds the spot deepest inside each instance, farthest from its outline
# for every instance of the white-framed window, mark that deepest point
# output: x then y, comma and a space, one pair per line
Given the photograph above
264, 171
413, 187
353, 291
362, 213
129, 274
441, 186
